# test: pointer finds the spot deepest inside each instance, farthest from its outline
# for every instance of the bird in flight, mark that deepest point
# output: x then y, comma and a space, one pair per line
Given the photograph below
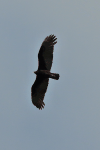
45, 58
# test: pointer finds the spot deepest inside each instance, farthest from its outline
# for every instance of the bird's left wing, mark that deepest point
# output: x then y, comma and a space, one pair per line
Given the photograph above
38, 91
45, 55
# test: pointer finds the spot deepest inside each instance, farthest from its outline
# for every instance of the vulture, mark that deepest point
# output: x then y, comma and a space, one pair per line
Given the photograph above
45, 59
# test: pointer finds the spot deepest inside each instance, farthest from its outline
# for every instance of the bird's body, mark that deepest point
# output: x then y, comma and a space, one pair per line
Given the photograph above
47, 74
45, 57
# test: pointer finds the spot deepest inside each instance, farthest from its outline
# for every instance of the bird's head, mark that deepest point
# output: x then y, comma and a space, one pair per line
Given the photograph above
35, 72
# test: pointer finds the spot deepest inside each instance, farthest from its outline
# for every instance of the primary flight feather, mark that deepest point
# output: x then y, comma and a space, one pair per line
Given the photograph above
45, 58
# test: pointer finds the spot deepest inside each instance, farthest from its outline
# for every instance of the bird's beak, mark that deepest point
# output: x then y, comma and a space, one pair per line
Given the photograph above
35, 72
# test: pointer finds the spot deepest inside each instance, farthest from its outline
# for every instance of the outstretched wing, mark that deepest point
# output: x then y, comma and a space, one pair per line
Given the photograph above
38, 91
45, 55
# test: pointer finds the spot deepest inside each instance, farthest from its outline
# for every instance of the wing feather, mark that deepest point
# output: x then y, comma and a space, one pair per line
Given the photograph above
38, 91
45, 55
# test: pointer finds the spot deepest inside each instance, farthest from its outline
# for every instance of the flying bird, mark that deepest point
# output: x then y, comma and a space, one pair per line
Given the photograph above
45, 59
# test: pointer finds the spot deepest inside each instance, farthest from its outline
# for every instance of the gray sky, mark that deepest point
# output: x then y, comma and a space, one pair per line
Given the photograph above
70, 119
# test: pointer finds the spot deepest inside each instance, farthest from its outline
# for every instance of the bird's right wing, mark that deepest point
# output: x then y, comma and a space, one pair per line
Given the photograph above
38, 91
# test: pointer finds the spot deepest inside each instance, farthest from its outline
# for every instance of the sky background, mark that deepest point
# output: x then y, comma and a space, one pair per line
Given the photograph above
70, 119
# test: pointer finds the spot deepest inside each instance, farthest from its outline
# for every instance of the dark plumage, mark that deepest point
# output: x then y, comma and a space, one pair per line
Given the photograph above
45, 57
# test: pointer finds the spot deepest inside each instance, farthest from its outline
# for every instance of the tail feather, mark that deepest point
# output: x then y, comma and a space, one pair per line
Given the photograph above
54, 76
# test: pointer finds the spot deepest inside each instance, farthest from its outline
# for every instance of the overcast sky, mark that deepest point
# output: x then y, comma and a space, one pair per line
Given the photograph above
70, 119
